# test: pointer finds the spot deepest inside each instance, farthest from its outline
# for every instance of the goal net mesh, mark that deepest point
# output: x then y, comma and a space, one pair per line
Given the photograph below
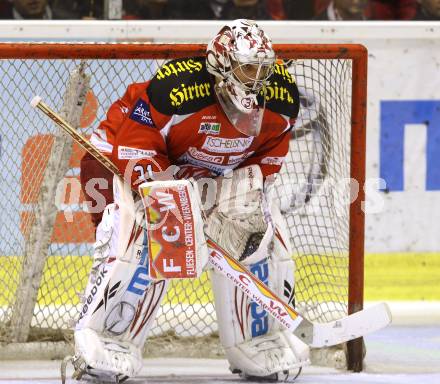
41, 280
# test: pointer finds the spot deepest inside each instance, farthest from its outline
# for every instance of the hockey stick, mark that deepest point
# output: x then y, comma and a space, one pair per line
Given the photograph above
314, 334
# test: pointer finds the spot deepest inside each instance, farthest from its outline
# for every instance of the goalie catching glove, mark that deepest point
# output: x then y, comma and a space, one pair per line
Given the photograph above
246, 226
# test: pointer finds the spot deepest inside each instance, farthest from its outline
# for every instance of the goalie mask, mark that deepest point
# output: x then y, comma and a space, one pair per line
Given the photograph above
242, 59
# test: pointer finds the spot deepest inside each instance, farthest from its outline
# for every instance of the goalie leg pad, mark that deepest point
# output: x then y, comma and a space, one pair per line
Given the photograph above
121, 299
255, 344
122, 302
123, 305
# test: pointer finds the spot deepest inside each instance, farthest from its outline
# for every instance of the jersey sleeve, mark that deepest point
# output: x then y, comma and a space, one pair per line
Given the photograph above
104, 135
139, 149
96, 180
271, 156
128, 137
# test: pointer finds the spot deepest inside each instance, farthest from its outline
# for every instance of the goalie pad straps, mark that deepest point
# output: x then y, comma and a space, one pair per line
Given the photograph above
121, 300
255, 344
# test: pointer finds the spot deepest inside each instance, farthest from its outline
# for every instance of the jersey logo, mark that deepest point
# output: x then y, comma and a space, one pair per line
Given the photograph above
259, 317
184, 93
218, 144
204, 156
174, 68
212, 128
275, 91
181, 87
128, 153
240, 158
282, 71
218, 169
272, 160
141, 114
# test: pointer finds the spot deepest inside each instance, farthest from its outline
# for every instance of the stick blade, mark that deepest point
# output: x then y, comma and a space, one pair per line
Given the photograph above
351, 327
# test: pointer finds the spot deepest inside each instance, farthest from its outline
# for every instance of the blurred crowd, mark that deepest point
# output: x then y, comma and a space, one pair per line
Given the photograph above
225, 9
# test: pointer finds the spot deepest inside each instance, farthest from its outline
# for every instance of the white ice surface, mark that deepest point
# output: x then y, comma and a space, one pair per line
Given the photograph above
395, 355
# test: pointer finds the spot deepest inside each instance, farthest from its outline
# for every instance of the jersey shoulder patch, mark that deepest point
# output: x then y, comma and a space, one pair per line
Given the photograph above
181, 86
282, 93
141, 113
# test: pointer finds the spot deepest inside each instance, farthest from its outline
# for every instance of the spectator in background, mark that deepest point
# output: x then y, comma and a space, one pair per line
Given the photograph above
392, 9
267, 9
145, 9
91, 9
428, 10
27, 9
276, 9
299, 9
167, 9
157, 9
190, 10
206, 9
320, 5
65, 9
344, 10
239, 9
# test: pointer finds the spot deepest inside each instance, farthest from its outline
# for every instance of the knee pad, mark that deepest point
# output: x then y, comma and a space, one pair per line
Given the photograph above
122, 302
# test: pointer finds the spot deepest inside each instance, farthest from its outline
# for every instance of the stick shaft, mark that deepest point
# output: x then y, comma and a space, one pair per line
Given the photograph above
82, 141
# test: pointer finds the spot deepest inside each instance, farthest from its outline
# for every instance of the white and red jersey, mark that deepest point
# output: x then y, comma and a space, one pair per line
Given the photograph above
175, 119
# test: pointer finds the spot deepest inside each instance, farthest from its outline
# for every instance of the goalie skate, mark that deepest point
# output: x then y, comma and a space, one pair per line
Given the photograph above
282, 377
84, 372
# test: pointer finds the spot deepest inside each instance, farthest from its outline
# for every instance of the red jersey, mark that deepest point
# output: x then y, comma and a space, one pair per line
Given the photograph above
175, 119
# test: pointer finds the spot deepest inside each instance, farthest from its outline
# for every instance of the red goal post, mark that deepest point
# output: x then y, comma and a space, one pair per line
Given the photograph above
334, 80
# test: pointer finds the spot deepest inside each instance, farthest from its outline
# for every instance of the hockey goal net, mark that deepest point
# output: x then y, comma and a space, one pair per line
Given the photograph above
46, 239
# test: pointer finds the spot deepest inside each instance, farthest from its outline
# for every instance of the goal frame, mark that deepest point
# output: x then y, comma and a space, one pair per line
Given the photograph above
354, 52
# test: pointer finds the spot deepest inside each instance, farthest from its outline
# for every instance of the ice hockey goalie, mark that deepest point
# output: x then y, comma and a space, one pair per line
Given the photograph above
224, 120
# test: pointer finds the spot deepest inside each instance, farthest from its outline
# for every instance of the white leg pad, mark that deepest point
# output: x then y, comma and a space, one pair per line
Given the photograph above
255, 344
121, 300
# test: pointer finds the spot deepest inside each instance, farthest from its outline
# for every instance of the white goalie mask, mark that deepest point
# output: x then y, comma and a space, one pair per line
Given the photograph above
242, 59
